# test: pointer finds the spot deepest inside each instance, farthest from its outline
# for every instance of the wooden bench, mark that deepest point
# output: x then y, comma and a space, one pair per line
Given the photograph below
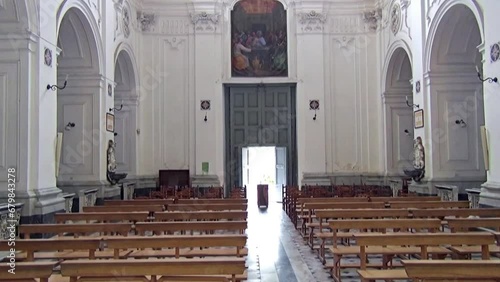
309, 208
443, 213
212, 201
148, 208
323, 215
474, 224
180, 246
406, 199
159, 228
421, 244
201, 215
75, 229
207, 207
160, 269
101, 217
27, 271
454, 270
60, 248
139, 202
430, 205
377, 227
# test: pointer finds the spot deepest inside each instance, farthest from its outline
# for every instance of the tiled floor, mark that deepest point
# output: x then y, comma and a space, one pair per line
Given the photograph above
277, 253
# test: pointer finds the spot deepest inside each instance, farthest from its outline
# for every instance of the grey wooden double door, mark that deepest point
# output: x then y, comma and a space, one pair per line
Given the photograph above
259, 115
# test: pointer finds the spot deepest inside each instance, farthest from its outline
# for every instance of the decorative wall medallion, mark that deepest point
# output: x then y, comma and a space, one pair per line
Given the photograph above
395, 18
312, 21
205, 105
417, 86
110, 90
48, 57
205, 22
126, 21
146, 21
314, 104
372, 19
495, 52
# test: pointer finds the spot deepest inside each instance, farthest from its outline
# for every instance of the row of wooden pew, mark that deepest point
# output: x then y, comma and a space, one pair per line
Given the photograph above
200, 243
383, 233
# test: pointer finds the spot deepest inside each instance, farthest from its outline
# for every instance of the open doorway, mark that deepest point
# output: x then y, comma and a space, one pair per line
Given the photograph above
264, 165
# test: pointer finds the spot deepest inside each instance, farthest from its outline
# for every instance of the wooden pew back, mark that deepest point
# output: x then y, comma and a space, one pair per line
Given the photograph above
201, 215
25, 271
139, 202
212, 201
207, 207
109, 269
406, 199
137, 208
430, 205
442, 213
76, 229
465, 224
183, 226
101, 217
453, 270
362, 213
385, 224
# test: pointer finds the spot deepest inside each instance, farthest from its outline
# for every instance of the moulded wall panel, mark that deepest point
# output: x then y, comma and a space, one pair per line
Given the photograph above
9, 118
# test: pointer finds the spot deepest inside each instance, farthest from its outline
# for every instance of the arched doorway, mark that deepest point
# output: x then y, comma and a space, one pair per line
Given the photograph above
397, 115
79, 104
125, 97
456, 100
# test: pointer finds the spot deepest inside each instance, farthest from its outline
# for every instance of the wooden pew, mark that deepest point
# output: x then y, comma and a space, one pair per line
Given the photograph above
207, 207
309, 208
101, 217
201, 215
430, 205
139, 202
380, 226
32, 249
404, 244
323, 215
76, 229
442, 213
148, 208
183, 245
196, 269
406, 199
473, 224
27, 271
453, 270
212, 201
191, 226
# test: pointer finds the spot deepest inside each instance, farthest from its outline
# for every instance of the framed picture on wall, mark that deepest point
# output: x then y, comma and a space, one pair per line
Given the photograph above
419, 118
110, 122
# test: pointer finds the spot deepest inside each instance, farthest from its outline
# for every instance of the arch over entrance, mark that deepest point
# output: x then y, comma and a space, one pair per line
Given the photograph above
125, 96
456, 99
78, 105
398, 116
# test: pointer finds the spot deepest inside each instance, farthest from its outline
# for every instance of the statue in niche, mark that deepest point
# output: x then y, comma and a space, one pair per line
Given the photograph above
418, 161
112, 176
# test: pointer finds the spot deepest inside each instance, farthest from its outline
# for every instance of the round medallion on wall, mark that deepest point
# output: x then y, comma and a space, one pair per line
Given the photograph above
110, 90
48, 57
205, 105
395, 18
417, 86
314, 104
495, 52
126, 22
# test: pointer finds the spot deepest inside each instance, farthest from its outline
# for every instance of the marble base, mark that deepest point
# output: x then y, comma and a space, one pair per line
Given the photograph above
428, 186
344, 178
490, 194
316, 179
205, 181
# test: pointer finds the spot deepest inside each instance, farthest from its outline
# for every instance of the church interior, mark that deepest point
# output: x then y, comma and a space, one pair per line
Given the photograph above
249, 140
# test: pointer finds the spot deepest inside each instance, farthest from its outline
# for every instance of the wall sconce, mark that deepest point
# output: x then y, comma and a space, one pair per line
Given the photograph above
205, 106
489, 79
416, 106
55, 87
69, 126
407, 132
461, 122
115, 134
116, 109
314, 105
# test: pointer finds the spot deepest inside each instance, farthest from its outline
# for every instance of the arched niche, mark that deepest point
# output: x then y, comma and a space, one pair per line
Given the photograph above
398, 117
79, 104
125, 99
259, 39
456, 97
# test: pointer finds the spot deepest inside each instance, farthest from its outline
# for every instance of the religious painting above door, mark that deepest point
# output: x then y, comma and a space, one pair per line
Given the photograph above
259, 39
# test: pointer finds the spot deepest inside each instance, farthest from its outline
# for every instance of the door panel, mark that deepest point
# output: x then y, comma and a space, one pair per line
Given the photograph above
260, 116
280, 166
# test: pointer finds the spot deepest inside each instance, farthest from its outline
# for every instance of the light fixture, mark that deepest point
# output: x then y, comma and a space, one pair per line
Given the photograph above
69, 126
461, 122
205, 106
412, 105
489, 79
407, 132
314, 105
116, 109
55, 87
